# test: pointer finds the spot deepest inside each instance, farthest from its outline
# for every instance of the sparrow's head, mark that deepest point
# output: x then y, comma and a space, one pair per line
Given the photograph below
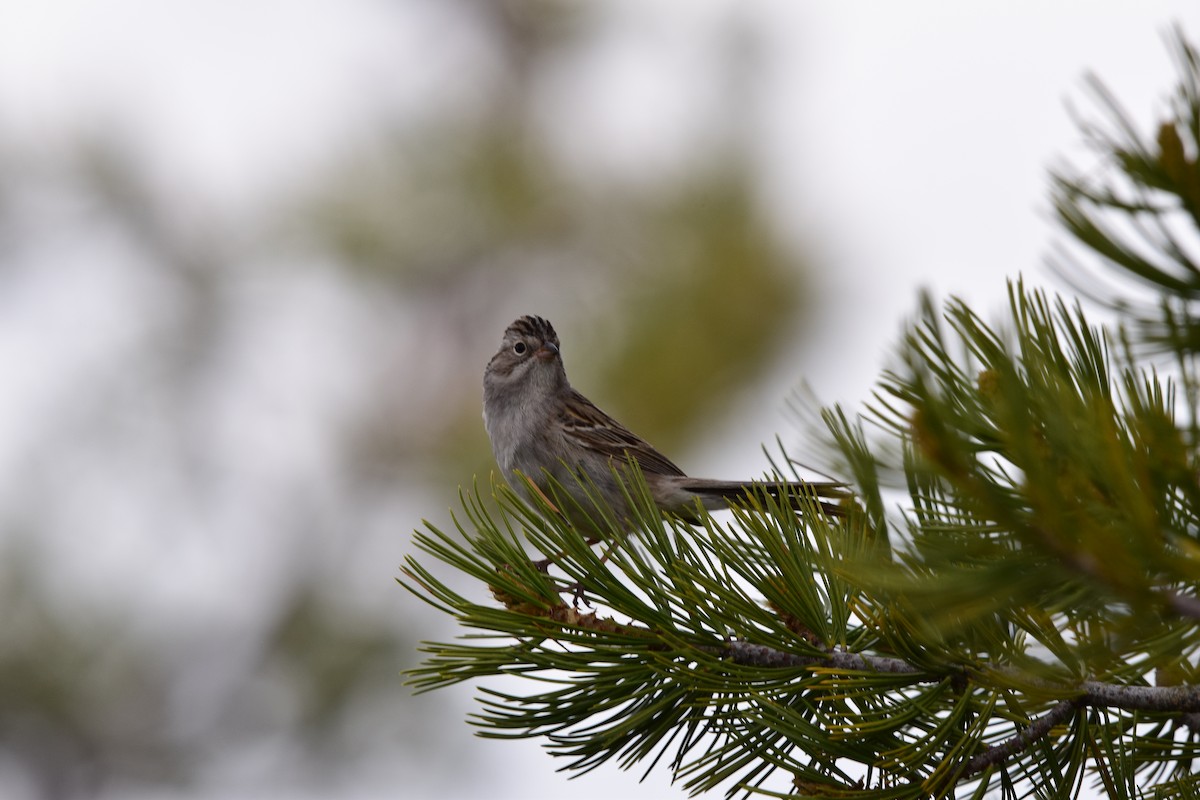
528, 355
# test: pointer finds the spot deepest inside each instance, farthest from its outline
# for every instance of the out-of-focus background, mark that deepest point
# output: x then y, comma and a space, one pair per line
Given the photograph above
254, 256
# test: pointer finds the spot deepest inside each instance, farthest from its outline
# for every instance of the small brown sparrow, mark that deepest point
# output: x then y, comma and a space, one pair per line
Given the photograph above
540, 428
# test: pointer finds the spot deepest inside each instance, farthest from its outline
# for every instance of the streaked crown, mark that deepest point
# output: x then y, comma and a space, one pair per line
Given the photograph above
533, 327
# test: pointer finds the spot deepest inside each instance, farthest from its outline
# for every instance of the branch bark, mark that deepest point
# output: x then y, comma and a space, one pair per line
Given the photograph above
762, 656
1163, 699
1183, 698
1022, 740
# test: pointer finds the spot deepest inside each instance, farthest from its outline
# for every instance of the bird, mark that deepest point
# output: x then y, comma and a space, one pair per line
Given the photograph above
548, 438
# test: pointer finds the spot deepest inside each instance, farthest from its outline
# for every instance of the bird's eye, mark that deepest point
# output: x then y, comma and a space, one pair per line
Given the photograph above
519, 348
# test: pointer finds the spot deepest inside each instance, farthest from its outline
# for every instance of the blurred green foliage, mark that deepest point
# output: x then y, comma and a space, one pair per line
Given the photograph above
681, 290
714, 296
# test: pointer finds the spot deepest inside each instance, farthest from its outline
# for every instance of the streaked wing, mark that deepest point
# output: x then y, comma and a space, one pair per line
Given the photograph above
594, 430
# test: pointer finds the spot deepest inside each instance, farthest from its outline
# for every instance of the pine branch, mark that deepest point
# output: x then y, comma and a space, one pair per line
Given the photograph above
1183, 699
1096, 694
1036, 730
832, 674
1129, 219
759, 655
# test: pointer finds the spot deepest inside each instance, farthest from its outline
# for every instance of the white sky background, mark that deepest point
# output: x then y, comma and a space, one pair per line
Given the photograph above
906, 144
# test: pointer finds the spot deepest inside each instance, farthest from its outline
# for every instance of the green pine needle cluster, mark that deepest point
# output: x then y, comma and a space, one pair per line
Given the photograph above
1008, 608
1044, 477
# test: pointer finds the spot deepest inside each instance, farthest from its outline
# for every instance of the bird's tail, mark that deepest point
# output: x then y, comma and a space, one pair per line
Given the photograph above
798, 494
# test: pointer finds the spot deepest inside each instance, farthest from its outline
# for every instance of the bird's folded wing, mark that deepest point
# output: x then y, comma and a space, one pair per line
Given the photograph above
594, 430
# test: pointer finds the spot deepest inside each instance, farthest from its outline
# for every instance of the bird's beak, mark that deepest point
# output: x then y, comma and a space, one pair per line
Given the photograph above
547, 352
